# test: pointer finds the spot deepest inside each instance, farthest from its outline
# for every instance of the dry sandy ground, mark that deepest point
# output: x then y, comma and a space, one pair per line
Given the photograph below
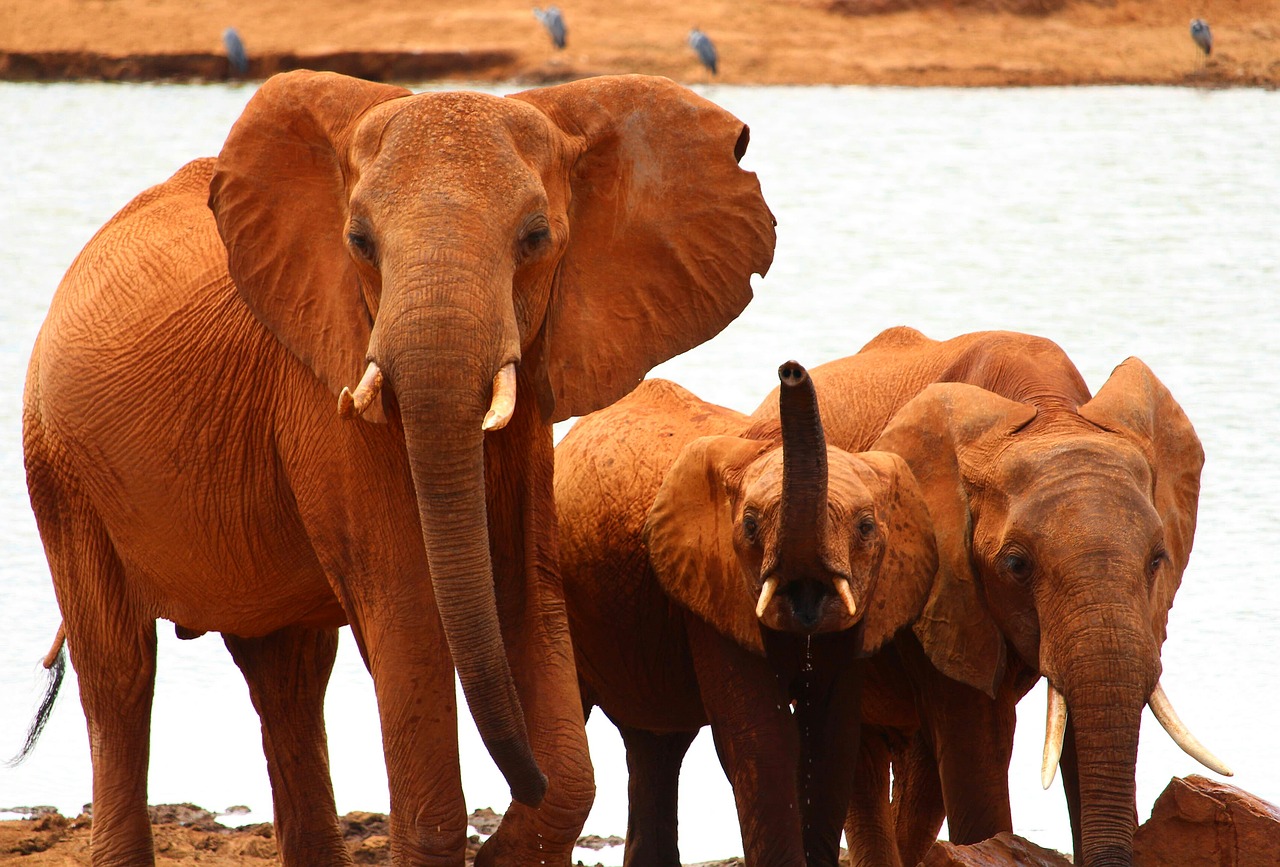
929, 42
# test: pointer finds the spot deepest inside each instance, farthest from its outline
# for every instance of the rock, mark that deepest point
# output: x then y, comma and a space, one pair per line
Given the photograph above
1002, 850
595, 842
187, 815
484, 820
1198, 822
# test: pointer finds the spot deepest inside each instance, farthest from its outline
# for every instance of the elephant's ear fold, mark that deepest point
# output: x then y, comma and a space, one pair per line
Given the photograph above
665, 231
910, 559
279, 195
689, 534
1135, 404
943, 430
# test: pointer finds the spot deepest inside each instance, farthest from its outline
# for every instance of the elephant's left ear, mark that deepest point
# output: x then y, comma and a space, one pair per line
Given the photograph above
1135, 404
280, 200
689, 534
910, 556
665, 231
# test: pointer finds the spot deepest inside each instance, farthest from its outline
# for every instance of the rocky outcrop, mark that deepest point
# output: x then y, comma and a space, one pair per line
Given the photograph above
1002, 850
1197, 822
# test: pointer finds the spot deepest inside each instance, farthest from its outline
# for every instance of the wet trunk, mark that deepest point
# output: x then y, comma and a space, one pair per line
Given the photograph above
804, 468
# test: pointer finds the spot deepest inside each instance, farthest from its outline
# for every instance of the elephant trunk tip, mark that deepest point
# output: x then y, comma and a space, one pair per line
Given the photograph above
792, 374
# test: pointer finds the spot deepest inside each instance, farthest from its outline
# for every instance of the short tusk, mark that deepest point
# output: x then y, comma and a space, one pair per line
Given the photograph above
1055, 728
503, 405
52, 656
1164, 712
846, 593
352, 404
766, 594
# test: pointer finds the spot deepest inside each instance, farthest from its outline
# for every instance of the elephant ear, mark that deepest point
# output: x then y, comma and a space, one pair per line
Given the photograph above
1136, 405
665, 231
946, 429
910, 556
279, 195
689, 533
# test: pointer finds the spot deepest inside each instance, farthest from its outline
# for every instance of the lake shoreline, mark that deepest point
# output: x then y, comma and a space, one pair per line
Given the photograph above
954, 43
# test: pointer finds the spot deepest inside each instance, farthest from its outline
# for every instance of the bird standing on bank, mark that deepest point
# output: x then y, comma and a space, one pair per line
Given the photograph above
235, 52
553, 20
1202, 35
705, 49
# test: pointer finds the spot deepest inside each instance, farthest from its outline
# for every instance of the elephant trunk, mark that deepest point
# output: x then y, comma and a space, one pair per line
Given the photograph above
443, 393
1107, 674
803, 507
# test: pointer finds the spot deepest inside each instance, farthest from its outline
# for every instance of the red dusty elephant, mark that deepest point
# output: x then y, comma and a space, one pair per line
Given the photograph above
722, 572
1064, 522
186, 459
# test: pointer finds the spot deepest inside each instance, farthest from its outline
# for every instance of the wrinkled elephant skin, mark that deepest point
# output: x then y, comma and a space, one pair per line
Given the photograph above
187, 460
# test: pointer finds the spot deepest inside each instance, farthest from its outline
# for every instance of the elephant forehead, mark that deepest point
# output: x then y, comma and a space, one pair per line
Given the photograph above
849, 481
482, 131
1036, 466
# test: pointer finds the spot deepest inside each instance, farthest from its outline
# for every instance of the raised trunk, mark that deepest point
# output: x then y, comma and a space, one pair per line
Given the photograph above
804, 468
443, 397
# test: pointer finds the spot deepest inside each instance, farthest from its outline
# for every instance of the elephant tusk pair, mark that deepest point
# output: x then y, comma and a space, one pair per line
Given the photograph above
771, 585
1161, 707
766, 595
501, 407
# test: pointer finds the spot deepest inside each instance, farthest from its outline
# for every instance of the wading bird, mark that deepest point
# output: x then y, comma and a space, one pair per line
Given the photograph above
235, 52
704, 48
553, 20
1202, 36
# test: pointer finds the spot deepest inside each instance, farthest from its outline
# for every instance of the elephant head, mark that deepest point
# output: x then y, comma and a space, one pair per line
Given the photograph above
1064, 533
579, 233
775, 528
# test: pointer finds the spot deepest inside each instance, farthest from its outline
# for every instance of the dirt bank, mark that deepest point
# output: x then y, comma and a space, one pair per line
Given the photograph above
907, 42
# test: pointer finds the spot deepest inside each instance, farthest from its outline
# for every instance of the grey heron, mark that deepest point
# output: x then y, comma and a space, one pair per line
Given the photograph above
705, 49
1201, 35
553, 20
235, 51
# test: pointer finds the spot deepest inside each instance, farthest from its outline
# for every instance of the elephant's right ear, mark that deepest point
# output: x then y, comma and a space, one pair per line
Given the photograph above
665, 231
689, 533
279, 197
943, 429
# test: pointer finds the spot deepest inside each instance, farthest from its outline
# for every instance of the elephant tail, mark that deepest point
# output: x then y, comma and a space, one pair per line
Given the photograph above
55, 661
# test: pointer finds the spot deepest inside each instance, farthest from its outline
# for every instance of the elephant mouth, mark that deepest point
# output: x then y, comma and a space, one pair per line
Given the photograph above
807, 606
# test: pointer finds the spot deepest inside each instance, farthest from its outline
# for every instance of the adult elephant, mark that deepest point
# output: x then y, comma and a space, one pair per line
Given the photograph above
186, 459
1064, 523
722, 572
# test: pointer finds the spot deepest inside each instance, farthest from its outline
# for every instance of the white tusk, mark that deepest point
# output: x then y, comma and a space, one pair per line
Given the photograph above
846, 593
766, 594
352, 404
1055, 728
503, 405
1164, 712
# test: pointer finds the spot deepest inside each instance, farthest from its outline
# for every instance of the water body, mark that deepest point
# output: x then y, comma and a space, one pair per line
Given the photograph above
1117, 221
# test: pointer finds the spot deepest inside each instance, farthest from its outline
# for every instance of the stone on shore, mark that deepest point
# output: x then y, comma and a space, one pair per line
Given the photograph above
1198, 822
1002, 850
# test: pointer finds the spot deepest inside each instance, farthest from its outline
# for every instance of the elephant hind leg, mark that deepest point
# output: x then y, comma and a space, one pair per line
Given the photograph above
653, 790
917, 802
287, 672
868, 825
113, 648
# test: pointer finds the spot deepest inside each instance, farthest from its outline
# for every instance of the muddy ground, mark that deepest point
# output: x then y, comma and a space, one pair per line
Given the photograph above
907, 42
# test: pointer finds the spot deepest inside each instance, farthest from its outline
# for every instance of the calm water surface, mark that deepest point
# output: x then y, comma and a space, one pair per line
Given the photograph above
1119, 221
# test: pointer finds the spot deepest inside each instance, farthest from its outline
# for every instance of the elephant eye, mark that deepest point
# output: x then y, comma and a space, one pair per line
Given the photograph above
1017, 565
361, 243
750, 526
534, 237
867, 526
1153, 565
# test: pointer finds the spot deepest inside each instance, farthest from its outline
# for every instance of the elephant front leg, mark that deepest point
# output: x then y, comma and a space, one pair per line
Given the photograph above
287, 672
653, 793
755, 736
869, 822
827, 710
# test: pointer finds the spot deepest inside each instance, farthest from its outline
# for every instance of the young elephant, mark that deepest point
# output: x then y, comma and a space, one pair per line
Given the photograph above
722, 572
1064, 522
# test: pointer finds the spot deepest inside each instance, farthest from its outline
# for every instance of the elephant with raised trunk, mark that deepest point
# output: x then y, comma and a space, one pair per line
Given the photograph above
722, 572
1064, 522
187, 460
